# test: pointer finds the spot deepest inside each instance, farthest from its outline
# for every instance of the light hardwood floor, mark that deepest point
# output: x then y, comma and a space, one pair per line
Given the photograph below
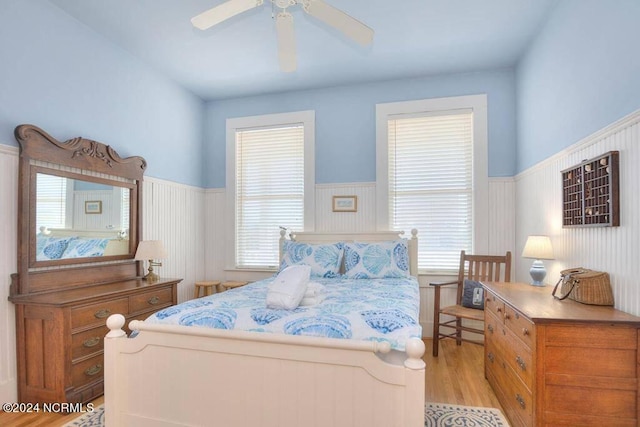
456, 377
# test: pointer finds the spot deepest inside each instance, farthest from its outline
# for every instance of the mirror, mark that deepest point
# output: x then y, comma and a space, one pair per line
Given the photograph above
78, 218
79, 213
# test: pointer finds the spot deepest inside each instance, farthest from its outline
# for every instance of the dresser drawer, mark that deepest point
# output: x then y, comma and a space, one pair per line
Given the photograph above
88, 370
519, 357
509, 349
152, 300
494, 305
521, 327
516, 398
97, 313
88, 342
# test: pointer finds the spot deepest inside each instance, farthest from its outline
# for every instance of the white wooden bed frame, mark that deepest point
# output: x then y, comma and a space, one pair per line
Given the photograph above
188, 376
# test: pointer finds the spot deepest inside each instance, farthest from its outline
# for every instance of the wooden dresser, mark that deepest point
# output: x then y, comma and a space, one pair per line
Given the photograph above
560, 363
60, 335
76, 262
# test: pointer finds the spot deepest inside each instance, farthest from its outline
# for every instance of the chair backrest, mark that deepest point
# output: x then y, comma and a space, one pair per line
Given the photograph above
489, 268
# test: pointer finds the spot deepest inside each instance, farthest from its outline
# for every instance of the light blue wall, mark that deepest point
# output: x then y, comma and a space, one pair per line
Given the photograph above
581, 73
345, 121
59, 75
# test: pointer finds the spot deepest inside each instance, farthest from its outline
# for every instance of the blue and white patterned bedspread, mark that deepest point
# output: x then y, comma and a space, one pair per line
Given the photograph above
359, 309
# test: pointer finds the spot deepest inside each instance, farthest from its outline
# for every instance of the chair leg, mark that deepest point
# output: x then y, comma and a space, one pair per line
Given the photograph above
436, 321
458, 331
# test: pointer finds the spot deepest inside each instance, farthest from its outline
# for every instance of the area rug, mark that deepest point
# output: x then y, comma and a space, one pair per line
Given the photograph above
90, 419
445, 415
435, 415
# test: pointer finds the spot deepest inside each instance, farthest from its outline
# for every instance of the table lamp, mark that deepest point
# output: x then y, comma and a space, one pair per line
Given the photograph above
538, 248
151, 250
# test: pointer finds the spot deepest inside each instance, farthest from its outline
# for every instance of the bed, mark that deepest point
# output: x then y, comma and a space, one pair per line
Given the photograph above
187, 366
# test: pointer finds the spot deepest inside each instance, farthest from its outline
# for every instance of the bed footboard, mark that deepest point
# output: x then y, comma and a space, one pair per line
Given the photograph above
187, 376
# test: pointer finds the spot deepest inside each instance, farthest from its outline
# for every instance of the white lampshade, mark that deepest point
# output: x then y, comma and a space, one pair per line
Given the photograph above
538, 247
151, 249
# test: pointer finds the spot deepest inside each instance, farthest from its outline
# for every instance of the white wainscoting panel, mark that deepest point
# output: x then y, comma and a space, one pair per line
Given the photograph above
8, 266
364, 219
612, 249
175, 214
214, 245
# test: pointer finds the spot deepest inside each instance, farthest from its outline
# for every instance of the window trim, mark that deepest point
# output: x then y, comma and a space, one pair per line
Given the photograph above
307, 118
480, 171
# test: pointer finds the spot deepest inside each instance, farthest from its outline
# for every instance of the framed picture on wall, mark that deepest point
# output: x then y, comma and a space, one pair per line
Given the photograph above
93, 207
345, 203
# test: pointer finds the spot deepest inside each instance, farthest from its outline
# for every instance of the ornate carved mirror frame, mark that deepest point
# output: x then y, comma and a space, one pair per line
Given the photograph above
77, 159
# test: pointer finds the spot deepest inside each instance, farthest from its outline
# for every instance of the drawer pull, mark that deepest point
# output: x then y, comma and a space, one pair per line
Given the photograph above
95, 369
525, 331
91, 342
153, 301
490, 328
491, 357
517, 315
101, 314
499, 310
507, 316
521, 401
521, 363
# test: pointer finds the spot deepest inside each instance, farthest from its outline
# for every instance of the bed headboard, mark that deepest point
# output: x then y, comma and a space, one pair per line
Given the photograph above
371, 236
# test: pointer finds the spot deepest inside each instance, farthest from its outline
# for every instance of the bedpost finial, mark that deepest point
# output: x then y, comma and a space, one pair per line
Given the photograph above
414, 232
115, 322
415, 350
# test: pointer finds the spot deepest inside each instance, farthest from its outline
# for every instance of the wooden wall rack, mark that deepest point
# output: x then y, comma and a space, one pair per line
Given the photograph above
590, 193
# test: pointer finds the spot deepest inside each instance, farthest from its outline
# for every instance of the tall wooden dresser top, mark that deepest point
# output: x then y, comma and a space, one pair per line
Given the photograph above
560, 363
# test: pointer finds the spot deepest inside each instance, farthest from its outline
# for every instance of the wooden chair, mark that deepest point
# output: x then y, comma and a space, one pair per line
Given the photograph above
480, 268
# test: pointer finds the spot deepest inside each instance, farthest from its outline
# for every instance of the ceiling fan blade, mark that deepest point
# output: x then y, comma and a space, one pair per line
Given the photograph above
286, 42
222, 12
348, 25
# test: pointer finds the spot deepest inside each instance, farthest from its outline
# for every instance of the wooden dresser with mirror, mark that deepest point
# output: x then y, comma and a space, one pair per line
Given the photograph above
79, 224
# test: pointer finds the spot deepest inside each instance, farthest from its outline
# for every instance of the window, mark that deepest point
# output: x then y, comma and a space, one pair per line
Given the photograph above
52, 201
432, 175
270, 183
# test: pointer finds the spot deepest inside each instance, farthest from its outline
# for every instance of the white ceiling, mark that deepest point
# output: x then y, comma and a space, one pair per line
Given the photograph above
239, 57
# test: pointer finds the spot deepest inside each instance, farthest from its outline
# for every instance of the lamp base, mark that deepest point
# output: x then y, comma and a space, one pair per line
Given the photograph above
151, 276
538, 273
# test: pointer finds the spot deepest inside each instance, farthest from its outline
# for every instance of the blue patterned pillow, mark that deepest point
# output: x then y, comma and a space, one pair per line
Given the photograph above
376, 260
52, 248
324, 260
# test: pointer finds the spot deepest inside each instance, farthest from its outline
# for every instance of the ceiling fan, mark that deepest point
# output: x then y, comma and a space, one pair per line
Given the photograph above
326, 13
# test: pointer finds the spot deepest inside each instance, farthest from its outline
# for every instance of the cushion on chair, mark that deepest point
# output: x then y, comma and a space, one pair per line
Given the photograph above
473, 294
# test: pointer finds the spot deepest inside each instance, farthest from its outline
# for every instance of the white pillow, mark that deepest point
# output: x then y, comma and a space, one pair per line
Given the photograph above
288, 288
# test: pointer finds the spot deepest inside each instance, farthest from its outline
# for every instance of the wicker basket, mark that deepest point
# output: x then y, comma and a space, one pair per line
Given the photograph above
585, 286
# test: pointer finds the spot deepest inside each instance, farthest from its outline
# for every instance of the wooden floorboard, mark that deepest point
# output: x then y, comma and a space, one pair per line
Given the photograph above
456, 377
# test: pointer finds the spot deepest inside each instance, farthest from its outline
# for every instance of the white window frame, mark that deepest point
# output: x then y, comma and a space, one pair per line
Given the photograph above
480, 172
307, 118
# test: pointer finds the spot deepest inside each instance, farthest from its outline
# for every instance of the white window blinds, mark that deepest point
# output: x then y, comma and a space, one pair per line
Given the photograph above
52, 195
430, 183
269, 191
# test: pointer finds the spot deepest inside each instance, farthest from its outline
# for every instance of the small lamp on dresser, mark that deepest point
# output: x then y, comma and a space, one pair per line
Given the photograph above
151, 250
538, 248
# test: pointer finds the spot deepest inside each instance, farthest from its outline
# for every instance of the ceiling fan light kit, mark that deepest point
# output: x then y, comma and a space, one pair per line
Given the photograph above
319, 9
